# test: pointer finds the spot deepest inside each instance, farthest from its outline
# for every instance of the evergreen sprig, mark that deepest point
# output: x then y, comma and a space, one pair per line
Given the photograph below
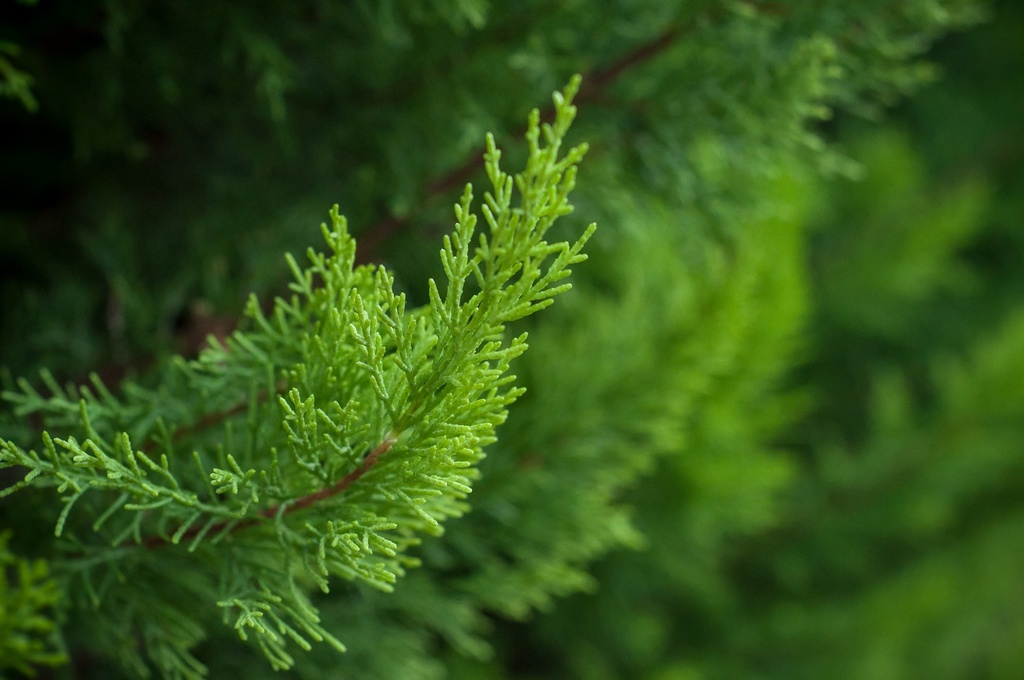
322, 442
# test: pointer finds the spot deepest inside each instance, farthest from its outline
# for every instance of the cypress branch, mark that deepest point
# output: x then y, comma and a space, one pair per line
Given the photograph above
381, 415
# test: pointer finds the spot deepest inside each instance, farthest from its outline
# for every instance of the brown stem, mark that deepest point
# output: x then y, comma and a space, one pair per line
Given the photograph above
215, 418
286, 507
371, 240
368, 245
593, 84
599, 80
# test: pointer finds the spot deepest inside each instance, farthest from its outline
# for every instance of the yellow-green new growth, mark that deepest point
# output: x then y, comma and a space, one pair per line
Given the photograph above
323, 442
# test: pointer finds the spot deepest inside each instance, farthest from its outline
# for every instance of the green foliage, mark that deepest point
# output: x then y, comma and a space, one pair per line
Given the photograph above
27, 596
892, 553
904, 250
15, 84
381, 416
160, 151
773, 432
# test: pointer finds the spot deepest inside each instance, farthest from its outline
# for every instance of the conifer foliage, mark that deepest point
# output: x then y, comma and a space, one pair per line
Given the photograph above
362, 425
773, 431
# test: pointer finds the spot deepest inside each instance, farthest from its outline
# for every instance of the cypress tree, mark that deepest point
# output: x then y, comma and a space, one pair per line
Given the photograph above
749, 442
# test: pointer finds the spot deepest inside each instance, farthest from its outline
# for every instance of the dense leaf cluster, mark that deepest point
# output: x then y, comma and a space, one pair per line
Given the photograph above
361, 427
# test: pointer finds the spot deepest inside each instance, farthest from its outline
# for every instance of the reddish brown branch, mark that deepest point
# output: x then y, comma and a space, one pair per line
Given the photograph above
374, 237
342, 484
369, 243
599, 80
593, 85
286, 507
215, 418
